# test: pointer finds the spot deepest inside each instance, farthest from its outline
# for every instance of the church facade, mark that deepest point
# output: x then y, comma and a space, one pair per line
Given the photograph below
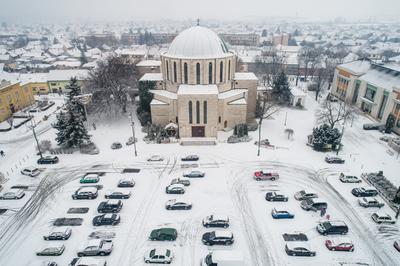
198, 88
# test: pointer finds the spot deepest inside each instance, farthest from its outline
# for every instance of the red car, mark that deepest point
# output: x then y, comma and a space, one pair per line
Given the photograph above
265, 175
339, 244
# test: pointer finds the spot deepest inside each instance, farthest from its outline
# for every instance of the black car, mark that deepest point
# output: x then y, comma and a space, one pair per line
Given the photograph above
332, 228
190, 158
87, 192
364, 192
58, 234
333, 159
216, 221
106, 219
126, 182
374, 126
48, 160
110, 206
273, 196
218, 238
299, 248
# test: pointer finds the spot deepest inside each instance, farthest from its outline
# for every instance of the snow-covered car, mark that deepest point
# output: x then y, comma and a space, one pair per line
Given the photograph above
126, 182
118, 194
194, 173
163, 234
370, 202
218, 237
265, 175
130, 141
190, 158
364, 192
88, 261
333, 159
332, 228
102, 235
175, 189
155, 158
299, 248
48, 160
382, 218
59, 234
116, 145
216, 221
223, 257
159, 255
88, 192
181, 180
97, 247
281, 214
175, 204
12, 194
349, 178
313, 204
374, 126
106, 219
90, 178
110, 206
303, 195
274, 196
30, 171
55, 250
340, 244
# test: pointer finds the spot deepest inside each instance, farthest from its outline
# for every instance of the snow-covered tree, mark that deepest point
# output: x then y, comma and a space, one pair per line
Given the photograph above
74, 89
325, 135
280, 89
61, 126
75, 132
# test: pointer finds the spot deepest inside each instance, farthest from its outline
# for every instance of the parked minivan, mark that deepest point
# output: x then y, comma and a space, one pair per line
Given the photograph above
313, 204
332, 228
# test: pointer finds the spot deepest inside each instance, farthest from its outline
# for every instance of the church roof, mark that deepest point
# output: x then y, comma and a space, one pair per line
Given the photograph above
185, 89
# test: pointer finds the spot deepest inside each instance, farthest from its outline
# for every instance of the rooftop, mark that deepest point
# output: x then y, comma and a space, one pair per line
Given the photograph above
165, 93
358, 67
231, 93
185, 89
149, 63
58, 75
245, 76
151, 77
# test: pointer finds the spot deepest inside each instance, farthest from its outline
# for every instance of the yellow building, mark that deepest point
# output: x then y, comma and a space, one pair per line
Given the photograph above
37, 88
13, 98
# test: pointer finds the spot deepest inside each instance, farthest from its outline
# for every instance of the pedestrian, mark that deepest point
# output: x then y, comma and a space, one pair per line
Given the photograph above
328, 217
323, 211
94, 126
2, 153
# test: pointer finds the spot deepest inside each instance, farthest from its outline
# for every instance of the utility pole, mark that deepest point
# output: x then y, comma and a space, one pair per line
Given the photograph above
133, 133
34, 135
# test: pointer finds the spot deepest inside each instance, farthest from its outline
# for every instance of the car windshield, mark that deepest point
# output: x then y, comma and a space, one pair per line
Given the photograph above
309, 201
209, 260
326, 225
168, 253
152, 253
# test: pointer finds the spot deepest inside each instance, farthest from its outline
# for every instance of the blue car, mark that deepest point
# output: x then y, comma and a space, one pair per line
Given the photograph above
281, 214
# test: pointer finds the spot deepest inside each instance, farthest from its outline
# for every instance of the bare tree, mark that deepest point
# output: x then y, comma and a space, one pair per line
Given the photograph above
309, 58
321, 78
270, 64
266, 109
332, 113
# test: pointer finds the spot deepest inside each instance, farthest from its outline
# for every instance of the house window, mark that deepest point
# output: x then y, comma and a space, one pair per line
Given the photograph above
175, 74
205, 112
190, 112
185, 73
229, 69
197, 112
176, 119
219, 119
167, 70
221, 71
53, 84
383, 105
210, 68
198, 73
370, 93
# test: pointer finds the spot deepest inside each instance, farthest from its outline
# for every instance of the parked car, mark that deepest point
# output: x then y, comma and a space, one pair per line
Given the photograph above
90, 178
110, 206
265, 175
303, 195
116, 145
332, 228
194, 173
299, 248
126, 182
97, 247
374, 126
56, 250
12, 194
85, 193
181, 180
48, 160
396, 245
88, 261
218, 237
364, 192
370, 202
382, 218
175, 189
216, 221
159, 255
106, 219
339, 244
349, 178
30, 171
155, 158
274, 196
164, 234
59, 234
223, 257
281, 214
118, 194
175, 204
313, 205
333, 159
190, 158
130, 141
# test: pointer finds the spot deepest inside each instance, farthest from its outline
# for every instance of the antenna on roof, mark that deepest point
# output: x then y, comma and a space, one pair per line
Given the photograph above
198, 22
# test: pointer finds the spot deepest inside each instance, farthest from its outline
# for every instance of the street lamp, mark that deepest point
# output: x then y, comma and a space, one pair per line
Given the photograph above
133, 133
34, 135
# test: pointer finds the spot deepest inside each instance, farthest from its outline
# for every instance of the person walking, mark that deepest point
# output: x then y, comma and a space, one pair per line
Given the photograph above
323, 211
2, 153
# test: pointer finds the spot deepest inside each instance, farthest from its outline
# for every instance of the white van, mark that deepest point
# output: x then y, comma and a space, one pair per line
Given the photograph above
223, 258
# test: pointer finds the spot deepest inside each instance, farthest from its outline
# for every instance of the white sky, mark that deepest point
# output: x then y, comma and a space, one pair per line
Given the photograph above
70, 10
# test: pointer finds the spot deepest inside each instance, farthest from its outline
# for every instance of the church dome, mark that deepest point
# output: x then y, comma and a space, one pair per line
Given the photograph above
197, 43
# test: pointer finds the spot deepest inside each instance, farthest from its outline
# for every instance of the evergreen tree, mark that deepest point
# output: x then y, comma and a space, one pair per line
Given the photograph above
280, 88
389, 123
74, 89
75, 132
61, 126
324, 135
145, 97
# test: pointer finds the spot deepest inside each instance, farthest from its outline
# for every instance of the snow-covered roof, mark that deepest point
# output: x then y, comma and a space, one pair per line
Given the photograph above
151, 77
297, 92
149, 63
231, 93
165, 93
185, 89
241, 101
33, 77
381, 79
358, 67
60, 75
220, 233
197, 42
157, 102
245, 76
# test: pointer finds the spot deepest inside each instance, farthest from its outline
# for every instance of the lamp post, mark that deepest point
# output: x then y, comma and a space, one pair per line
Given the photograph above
84, 99
133, 133
34, 135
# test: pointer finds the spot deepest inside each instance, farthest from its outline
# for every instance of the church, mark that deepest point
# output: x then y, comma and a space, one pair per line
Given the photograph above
198, 88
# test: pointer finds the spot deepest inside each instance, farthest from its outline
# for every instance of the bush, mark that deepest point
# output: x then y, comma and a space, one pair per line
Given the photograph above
143, 116
325, 138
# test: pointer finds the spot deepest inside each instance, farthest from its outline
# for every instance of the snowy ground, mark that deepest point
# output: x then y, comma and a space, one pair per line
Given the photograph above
228, 188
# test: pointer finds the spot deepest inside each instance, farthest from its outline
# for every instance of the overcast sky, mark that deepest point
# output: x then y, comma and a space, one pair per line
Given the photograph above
111, 10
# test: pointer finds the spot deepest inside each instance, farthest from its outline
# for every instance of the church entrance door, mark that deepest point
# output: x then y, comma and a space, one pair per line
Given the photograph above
198, 131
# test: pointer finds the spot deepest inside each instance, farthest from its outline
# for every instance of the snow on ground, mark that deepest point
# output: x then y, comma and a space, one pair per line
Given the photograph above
228, 188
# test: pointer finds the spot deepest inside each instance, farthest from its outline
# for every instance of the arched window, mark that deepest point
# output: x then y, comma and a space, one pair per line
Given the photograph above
221, 71
198, 73
167, 63
190, 113
210, 73
229, 70
205, 112
175, 78
225, 124
185, 73
197, 112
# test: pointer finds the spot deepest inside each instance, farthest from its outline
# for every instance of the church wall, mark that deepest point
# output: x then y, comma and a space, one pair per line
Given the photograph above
251, 86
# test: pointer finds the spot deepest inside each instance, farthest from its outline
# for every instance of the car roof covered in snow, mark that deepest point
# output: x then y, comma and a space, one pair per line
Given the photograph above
297, 244
113, 201
220, 217
221, 233
92, 176
87, 261
226, 255
88, 189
